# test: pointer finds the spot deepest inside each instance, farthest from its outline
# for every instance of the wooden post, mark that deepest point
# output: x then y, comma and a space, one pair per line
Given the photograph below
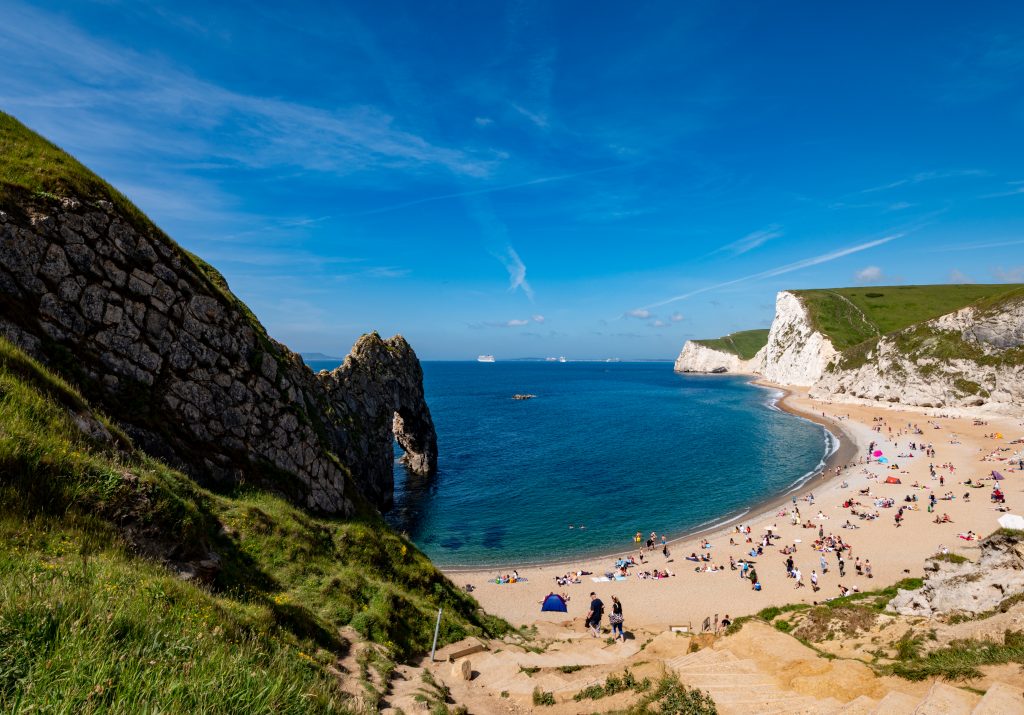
437, 629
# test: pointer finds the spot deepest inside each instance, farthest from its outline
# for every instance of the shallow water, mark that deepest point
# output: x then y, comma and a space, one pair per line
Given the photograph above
614, 447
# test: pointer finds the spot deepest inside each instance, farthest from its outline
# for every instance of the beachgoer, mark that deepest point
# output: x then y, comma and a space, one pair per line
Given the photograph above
615, 618
726, 621
593, 621
814, 581
797, 576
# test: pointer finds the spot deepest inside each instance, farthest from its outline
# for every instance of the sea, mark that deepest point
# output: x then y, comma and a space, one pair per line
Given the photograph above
604, 450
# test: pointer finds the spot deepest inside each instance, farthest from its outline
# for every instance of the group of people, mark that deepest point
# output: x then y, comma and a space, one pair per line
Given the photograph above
596, 613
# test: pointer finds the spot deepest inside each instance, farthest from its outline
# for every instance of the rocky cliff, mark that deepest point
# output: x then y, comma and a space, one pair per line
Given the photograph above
796, 354
954, 585
972, 357
700, 358
155, 338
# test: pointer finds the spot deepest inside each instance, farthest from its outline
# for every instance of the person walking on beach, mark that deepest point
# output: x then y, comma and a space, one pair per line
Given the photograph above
842, 566
814, 581
824, 564
593, 621
798, 577
615, 618
753, 578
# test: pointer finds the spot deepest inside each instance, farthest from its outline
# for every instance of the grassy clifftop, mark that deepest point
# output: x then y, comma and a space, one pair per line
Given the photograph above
743, 344
849, 316
86, 622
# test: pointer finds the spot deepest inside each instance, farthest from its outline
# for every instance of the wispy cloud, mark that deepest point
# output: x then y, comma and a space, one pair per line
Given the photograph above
640, 313
788, 268
485, 190
516, 272
676, 317
957, 276
121, 99
513, 323
1009, 275
923, 176
752, 240
977, 246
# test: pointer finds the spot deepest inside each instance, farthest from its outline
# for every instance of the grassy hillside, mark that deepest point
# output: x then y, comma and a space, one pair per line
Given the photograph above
745, 343
87, 623
849, 316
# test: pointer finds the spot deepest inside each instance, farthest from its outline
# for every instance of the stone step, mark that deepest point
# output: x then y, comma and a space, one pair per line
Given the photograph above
705, 656
729, 681
1001, 699
944, 699
896, 703
732, 666
862, 705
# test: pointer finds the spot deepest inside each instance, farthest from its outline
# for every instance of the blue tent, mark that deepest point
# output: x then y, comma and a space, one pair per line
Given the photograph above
554, 602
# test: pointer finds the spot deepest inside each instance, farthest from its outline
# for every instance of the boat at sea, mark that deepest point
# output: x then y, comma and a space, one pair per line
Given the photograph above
485, 358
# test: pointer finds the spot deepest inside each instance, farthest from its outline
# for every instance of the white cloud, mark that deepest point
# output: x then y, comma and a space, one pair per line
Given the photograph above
515, 323
869, 274
516, 272
957, 276
1009, 275
658, 324
676, 317
788, 268
641, 313
483, 121
753, 240
537, 318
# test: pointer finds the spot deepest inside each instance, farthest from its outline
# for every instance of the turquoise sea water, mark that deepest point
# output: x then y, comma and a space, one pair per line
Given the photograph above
614, 447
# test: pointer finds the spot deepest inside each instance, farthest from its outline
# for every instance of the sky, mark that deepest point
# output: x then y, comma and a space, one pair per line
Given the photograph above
588, 179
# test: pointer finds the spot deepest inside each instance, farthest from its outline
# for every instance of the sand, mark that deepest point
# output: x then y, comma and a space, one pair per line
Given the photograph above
688, 598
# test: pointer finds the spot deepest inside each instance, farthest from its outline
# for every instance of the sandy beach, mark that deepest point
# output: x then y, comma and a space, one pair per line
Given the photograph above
687, 597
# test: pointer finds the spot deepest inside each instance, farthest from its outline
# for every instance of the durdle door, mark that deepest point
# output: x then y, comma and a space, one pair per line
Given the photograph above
155, 336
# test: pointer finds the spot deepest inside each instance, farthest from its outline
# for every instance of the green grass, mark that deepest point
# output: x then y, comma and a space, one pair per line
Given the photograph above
744, 344
86, 623
849, 316
961, 659
670, 697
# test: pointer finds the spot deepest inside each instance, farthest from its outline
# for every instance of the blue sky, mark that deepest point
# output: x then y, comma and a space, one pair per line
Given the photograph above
588, 179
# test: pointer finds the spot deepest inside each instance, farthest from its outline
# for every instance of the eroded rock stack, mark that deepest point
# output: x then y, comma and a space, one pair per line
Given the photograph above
155, 337
955, 586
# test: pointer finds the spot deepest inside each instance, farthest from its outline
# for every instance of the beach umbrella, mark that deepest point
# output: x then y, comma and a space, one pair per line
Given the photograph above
997, 475
877, 453
1011, 521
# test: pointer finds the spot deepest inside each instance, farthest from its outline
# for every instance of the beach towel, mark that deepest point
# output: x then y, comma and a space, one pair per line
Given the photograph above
600, 579
621, 578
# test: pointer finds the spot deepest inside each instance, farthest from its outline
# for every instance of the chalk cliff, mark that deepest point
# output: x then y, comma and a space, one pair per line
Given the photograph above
953, 586
796, 353
700, 358
972, 357
154, 336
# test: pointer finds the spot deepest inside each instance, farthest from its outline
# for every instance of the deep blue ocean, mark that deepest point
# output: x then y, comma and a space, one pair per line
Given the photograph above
614, 447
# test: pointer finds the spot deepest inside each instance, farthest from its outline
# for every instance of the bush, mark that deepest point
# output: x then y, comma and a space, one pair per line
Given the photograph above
543, 697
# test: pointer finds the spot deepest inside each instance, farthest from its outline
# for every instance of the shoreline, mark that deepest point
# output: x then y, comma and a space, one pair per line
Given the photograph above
845, 451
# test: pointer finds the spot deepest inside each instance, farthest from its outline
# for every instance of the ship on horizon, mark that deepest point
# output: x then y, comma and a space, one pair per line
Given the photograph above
485, 358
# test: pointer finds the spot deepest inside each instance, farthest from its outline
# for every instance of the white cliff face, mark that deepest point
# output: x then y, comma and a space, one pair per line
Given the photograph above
908, 368
988, 384
700, 358
796, 353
